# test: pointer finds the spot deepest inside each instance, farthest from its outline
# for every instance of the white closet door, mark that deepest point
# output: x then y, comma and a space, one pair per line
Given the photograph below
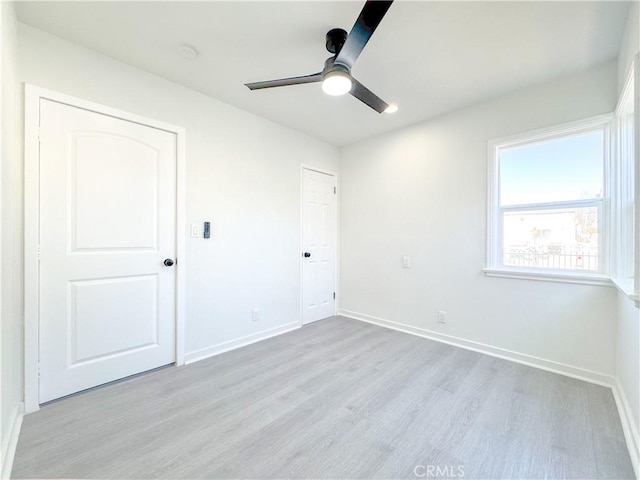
318, 244
107, 224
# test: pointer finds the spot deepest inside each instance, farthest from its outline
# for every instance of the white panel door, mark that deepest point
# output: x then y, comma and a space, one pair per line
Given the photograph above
318, 245
107, 223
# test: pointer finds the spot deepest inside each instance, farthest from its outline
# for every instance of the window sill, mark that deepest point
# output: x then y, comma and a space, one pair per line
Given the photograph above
625, 286
584, 279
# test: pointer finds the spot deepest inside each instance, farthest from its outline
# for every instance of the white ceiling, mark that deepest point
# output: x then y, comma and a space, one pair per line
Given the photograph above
428, 57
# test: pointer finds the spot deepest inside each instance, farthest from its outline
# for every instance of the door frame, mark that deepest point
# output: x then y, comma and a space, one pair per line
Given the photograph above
336, 266
32, 97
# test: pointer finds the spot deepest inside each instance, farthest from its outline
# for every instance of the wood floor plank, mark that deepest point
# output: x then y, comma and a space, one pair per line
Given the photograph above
608, 439
373, 407
334, 399
321, 416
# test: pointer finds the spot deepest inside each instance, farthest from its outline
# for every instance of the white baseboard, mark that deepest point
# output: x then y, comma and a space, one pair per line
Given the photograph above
239, 342
9, 450
628, 425
530, 360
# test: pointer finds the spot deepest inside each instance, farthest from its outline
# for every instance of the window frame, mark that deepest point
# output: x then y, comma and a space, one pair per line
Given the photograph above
625, 188
494, 255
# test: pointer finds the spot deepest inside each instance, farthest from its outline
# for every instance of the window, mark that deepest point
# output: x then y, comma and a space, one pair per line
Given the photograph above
548, 203
623, 187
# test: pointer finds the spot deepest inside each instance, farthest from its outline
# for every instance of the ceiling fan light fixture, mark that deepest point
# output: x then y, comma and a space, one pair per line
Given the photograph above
392, 108
336, 83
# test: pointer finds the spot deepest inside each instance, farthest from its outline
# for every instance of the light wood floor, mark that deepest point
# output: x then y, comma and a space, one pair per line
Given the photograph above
335, 399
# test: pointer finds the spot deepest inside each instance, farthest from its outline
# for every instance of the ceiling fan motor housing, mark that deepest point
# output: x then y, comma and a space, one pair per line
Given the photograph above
331, 66
335, 40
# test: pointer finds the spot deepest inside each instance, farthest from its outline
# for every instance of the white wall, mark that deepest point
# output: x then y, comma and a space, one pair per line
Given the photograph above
628, 315
421, 191
11, 249
628, 357
629, 44
243, 175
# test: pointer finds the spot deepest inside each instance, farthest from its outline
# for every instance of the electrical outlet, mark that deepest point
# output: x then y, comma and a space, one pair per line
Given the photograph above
255, 315
442, 316
406, 262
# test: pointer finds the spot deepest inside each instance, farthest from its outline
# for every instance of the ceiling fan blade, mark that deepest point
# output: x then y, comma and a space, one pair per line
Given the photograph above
283, 82
366, 96
370, 16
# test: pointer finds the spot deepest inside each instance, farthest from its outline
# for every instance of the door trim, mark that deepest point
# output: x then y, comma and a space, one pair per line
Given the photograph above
336, 244
32, 97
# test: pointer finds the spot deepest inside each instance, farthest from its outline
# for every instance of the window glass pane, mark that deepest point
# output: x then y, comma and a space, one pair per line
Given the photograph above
561, 239
569, 168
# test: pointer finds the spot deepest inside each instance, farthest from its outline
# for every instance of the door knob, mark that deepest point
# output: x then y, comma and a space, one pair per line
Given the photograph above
307, 254
168, 262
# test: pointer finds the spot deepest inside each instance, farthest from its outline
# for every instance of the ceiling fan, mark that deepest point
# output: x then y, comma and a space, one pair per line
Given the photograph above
336, 75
